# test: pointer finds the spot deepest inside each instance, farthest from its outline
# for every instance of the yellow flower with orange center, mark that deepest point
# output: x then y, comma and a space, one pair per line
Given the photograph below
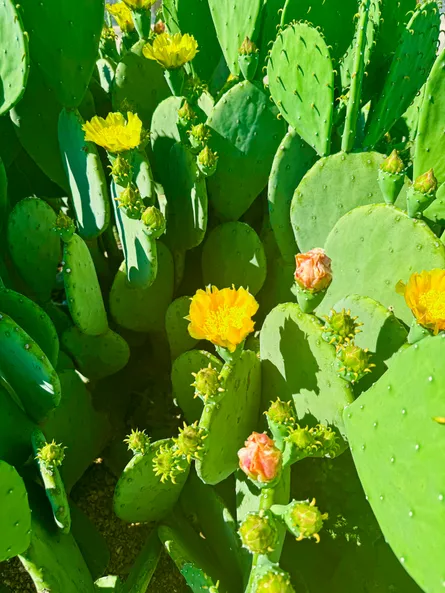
114, 133
122, 15
224, 317
171, 51
425, 296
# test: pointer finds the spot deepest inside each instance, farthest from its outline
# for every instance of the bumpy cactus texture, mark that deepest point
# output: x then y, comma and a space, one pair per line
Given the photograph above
222, 296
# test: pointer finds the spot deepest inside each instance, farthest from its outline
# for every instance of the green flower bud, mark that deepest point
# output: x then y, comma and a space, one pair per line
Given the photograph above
65, 227
329, 443
259, 532
199, 135
426, 183
354, 362
131, 200
304, 440
194, 88
207, 161
138, 441
154, 221
274, 581
248, 59
51, 455
393, 164
207, 383
189, 443
340, 327
281, 412
247, 48
304, 520
186, 115
167, 464
121, 170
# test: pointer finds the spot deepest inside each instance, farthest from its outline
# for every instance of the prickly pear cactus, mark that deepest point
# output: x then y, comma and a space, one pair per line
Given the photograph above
15, 514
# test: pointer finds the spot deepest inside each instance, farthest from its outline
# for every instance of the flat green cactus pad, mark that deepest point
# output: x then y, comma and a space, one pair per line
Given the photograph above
334, 186
246, 135
15, 64
83, 293
96, 356
143, 309
33, 320
140, 495
91, 542
108, 584
398, 449
15, 431
15, 514
301, 82
27, 370
298, 365
236, 410
53, 560
144, 567
164, 134
176, 327
85, 174
75, 423
234, 254
182, 379
34, 246
388, 246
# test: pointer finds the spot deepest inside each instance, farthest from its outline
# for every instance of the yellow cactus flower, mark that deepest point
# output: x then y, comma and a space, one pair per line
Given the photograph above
114, 133
224, 317
122, 15
140, 4
425, 296
171, 51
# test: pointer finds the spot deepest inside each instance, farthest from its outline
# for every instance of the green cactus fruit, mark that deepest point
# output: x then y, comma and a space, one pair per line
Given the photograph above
233, 253
128, 94
340, 327
190, 440
248, 59
65, 227
154, 222
85, 175
404, 246
301, 82
274, 581
246, 134
199, 135
15, 514
421, 194
121, 170
233, 23
185, 367
130, 200
49, 457
82, 288
138, 442
429, 140
207, 383
304, 520
391, 177
207, 161
409, 70
259, 532
353, 362
280, 418
186, 116
15, 66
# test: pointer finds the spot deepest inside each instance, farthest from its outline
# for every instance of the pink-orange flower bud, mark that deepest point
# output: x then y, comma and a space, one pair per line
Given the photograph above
260, 459
313, 271
158, 27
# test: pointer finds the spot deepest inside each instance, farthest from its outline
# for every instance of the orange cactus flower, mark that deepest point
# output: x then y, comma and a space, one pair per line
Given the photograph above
260, 459
313, 270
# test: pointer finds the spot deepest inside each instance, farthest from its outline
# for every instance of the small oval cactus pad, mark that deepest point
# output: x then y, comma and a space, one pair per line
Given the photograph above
372, 248
15, 514
397, 440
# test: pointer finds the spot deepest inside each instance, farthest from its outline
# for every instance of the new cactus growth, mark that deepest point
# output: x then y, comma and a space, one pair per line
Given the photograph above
138, 442
248, 59
421, 194
154, 221
207, 161
274, 581
167, 464
64, 226
340, 327
392, 177
304, 520
353, 362
207, 383
190, 441
199, 135
51, 455
259, 532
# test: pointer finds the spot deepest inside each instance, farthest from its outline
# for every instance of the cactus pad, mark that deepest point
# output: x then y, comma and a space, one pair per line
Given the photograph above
15, 431
301, 82
298, 364
246, 135
140, 494
236, 409
15, 515
399, 468
233, 254
82, 288
176, 326
383, 234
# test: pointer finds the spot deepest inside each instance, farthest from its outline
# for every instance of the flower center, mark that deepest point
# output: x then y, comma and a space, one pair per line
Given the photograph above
434, 303
225, 318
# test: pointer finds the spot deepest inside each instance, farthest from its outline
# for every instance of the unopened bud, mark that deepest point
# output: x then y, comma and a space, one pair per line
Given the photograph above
167, 464
207, 383
65, 227
274, 581
340, 327
138, 442
426, 183
131, 200
304, 520
190, 441
248, 59
313, 270
207, 161
121, 170
51, 455
260, 459
354, 362
199, 135
247, 48
154, 221
259, 532
393, 163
